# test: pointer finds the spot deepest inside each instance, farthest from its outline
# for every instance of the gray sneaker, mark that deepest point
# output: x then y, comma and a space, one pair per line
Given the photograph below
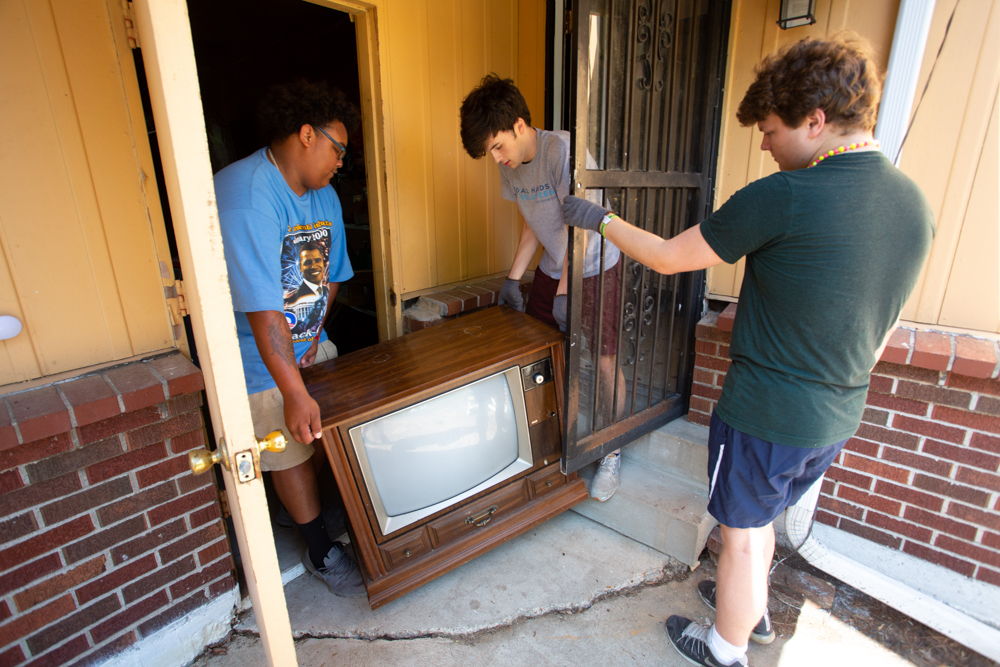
339, 571
691, 641
606, 481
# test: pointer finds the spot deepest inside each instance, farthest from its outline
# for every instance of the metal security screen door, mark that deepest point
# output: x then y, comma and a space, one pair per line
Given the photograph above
646, 93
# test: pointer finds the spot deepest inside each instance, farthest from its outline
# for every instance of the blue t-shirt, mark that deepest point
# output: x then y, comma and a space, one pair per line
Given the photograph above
282, 252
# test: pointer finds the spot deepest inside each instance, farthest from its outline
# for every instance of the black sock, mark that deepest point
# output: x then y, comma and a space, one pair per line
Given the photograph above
316, 539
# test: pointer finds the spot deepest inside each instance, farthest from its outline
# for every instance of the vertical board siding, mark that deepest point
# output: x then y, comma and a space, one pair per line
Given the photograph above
950, 151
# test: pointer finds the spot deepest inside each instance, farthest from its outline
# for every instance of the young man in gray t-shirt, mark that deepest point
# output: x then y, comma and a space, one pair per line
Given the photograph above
534, 172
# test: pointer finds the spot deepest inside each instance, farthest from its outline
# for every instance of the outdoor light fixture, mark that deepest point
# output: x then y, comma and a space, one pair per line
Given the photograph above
797, 12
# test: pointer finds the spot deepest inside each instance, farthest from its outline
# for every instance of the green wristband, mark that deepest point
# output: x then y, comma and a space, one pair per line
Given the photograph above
605, 221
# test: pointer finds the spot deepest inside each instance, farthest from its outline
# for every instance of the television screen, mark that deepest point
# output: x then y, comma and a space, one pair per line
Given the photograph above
419, 459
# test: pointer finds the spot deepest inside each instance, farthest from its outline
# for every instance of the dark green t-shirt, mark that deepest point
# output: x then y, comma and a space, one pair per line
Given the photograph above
832, 253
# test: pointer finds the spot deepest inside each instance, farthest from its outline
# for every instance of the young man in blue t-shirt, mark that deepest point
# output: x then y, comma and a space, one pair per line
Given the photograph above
834, 243
283, 231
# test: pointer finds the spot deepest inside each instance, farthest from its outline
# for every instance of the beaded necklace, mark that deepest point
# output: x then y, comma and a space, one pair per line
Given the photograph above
842, 149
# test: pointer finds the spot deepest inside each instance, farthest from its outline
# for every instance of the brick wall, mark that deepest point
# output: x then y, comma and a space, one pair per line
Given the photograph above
105, 535
436, 307
922, 473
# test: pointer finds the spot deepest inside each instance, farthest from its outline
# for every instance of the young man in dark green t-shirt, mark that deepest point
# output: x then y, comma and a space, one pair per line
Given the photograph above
834, 243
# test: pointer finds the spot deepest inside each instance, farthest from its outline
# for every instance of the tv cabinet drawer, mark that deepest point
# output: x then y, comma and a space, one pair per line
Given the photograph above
546, 480
478, 514
405, 549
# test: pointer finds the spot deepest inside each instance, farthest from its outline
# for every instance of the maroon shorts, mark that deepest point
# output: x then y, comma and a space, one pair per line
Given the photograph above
543, 292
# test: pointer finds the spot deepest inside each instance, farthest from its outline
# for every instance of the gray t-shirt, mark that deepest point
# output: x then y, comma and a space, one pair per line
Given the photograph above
539, 187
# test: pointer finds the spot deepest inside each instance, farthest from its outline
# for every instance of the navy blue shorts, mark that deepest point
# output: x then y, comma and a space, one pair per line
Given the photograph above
752, 481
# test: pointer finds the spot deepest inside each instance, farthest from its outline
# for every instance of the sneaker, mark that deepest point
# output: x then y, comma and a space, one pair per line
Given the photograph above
763, 632
339, 571
606, 481
691, 641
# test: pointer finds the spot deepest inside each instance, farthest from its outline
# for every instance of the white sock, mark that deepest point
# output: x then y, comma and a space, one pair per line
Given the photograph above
723, 650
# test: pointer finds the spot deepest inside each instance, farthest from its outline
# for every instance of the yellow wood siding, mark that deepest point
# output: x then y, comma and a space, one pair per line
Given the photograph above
79, 263
448, 219
951, 151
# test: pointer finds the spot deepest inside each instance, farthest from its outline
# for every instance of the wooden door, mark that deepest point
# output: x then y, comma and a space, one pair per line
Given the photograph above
646, 87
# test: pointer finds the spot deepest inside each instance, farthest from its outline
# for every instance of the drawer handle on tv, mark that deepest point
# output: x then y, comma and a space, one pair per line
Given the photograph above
483, 518
202, 460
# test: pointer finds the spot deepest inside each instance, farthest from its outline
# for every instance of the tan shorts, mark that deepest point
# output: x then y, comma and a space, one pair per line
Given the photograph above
267, 408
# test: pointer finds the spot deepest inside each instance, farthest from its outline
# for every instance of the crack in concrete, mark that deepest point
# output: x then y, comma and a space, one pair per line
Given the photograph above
671, 572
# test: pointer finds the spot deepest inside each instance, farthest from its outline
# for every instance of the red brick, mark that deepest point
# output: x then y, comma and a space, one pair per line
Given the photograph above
887, 436
897, 349
50, 588
148, 435
934, 556
189, 483
931, 350
979, 385
702, 376
8, 438
92, 399
36, 494
907, 372
187, 441
939, 523
136, 503
974, 357
151, 540
706, 392
701, 404
704, 332
928, 428
130, 616
10, 481
199, 579
34, 451
983, 480
73, 624
60, 464
183, 403
989, 576
713, 363
727, 317
925, 463
962, 418
880, 384
862, 447
991, 540
220, 587
102, 540
181, 506
724, 351
944, 487
25, 624
840, 507
213, 552
879, 503
206, 514
899, 527
965, 455
17, 527
988, 405
4, 611
876, 468
975, 552
116, 578
985, 442
897, 404
871, 534
138, 387
12, 580
179, 609
39, 413
159, 578
12, 656
107, 651
828, 486
128, 461
699, 418
162, 471
47, 541
979, 517
63, 654
94, 496
930, 393
706, 347
441, 303
191, 543
843, 476
908, 495
181, 375
827, 518
120, 424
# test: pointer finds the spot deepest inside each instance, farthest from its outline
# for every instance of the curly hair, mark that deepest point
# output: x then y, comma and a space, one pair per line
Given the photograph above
286, 107
838, 75
491, 108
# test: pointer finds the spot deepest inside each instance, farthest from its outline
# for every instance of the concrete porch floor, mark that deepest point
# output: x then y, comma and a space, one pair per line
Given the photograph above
569, 592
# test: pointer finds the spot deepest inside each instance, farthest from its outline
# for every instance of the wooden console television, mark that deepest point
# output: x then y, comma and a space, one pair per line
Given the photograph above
379, 381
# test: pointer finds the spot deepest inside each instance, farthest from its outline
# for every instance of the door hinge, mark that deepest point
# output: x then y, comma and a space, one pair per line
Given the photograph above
568, 21
130, 28
177, 303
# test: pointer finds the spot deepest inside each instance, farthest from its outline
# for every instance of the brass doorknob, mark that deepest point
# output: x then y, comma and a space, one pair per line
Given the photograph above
202, 460
272, 442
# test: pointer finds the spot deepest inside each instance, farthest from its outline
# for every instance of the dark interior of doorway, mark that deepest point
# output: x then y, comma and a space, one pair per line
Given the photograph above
242, 47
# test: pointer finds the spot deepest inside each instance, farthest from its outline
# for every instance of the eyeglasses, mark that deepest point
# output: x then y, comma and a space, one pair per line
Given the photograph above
343, 151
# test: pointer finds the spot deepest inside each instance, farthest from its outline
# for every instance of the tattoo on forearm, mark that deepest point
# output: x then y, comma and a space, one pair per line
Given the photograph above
281, 340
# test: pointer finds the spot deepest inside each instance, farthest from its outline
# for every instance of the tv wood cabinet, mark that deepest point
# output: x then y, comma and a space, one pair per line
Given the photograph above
387, 377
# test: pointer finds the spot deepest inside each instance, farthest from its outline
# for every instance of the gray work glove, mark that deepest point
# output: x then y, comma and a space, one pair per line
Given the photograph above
581, 213
559, 311
510, 294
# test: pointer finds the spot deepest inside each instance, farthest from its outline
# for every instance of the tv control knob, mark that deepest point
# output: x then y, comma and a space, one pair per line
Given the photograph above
539, 378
